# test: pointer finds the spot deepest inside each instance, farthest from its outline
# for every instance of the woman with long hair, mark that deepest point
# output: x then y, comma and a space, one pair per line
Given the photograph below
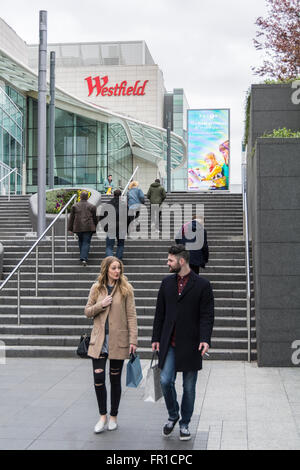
114, 336
135, 198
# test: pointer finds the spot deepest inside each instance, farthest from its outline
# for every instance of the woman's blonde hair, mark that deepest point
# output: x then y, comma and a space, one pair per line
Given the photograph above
122, 282
133, 184
212, 158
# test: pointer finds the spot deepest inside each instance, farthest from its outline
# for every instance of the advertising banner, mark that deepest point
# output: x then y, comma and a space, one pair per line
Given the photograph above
208, 149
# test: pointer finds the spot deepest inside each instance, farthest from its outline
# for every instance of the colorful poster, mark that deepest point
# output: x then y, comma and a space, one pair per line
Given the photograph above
208, 149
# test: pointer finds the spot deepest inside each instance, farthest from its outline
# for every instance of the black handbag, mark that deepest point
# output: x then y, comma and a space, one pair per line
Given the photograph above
83, 346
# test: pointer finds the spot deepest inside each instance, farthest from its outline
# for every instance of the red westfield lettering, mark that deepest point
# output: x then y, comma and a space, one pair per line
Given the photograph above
102, 88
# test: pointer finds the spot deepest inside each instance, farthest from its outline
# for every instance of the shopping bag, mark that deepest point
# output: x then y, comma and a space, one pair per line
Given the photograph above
153, 391
134, 371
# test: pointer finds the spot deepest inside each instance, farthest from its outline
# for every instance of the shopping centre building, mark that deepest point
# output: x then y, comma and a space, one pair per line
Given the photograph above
112, 110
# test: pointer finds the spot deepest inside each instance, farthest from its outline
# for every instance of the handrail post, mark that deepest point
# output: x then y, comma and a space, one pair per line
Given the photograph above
247, 254
53, 248
66, 231
9, 188
37, 271
19, 297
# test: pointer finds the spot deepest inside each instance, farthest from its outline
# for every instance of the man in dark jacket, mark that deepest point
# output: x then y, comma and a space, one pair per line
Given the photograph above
156, 195
116, 226
194, 237
83, 221
182, 332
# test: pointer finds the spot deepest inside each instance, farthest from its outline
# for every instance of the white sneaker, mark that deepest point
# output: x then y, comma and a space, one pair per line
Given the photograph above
100, 425
112, 425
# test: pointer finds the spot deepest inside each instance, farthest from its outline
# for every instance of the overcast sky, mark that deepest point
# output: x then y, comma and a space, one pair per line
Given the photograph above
205, 47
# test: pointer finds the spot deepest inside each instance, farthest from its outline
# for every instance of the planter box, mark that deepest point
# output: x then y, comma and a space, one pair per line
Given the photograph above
276, 248
60, 224
1, 260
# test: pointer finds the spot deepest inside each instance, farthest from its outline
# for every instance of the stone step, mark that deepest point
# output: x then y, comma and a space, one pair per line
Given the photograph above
144, 353
149, 295
66, 293
86, 284
75, 313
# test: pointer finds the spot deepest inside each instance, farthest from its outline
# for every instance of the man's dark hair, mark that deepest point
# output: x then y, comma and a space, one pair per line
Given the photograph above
180, 252
109, 176
157, 180
84, 195
117, 193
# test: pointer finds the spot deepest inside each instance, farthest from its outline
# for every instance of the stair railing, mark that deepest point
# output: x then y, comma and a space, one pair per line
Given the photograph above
36, 247
247, 253
8, 176
130, 179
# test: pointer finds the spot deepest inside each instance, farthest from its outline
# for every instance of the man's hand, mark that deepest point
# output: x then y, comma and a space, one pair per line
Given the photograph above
204, 347
155, 347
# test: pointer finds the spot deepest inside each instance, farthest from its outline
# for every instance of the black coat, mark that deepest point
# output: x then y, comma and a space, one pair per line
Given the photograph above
197, 257
193, 315
116, 226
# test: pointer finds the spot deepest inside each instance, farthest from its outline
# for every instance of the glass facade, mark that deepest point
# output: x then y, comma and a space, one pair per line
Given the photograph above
12, 106
85, 151
180, 107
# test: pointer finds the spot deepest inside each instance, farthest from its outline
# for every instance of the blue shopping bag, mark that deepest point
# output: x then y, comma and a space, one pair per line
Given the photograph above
134, 373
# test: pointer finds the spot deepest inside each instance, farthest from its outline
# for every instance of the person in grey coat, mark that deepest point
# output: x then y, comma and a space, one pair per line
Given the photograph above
83, 222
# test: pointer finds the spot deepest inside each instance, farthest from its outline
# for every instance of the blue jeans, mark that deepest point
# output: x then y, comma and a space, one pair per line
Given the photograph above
167, 380
110, 243
84, 242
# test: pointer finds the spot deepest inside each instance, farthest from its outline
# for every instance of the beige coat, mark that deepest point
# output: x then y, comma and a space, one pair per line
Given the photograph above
122, 323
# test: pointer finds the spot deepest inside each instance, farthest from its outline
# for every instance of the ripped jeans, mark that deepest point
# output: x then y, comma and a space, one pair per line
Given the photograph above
115, 371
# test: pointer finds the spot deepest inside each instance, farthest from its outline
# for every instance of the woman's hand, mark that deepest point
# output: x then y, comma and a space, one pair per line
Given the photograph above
107, 301
132, 349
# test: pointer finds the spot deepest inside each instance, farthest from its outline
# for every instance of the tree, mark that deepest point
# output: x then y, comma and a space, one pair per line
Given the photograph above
279, 37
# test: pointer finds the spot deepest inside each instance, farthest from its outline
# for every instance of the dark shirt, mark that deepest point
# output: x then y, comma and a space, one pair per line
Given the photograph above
109, 291
181, 283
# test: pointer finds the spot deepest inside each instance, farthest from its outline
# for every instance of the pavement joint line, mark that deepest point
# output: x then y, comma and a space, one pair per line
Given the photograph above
75, 366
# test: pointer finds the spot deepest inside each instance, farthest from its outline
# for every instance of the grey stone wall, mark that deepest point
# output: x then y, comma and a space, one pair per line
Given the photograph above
275, 182
271, 108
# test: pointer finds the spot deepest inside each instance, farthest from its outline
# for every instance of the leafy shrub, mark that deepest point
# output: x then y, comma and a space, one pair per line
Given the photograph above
57, 199
282, 133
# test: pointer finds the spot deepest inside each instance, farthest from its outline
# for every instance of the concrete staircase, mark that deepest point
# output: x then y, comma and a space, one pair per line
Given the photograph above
52, 323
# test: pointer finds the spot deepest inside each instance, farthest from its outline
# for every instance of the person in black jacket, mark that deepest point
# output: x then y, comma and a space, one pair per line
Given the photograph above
182, 332
194, 237
116, 227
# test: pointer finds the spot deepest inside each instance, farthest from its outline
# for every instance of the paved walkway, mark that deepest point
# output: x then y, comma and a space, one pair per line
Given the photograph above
50, 404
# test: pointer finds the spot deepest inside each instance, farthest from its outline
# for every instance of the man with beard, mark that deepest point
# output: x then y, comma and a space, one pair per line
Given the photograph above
182, 332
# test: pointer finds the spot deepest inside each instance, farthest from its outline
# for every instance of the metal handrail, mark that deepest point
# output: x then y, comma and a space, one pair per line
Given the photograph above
36, 245
6, 167
6, 176
247, 257
125, 189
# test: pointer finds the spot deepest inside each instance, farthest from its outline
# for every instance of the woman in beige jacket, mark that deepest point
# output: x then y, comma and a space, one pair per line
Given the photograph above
114, 335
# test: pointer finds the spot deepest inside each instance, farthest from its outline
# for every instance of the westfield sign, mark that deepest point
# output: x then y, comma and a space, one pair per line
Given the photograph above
103, 88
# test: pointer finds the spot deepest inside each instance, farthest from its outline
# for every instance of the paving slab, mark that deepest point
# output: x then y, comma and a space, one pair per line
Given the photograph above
51, 404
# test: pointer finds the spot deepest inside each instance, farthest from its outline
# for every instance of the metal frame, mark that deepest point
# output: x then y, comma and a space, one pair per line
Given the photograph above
247, 253
36, 245
6, 176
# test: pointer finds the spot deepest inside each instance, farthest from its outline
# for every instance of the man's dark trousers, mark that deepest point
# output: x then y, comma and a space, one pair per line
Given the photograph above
84, 242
